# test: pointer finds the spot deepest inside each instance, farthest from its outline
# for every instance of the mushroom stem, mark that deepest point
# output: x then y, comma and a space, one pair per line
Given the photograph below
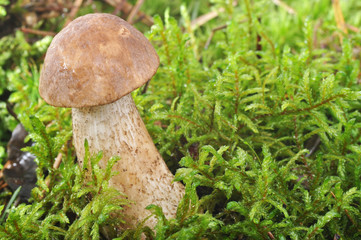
117, 129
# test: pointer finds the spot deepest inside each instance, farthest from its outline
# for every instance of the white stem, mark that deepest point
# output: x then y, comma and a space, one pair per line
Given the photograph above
118, 130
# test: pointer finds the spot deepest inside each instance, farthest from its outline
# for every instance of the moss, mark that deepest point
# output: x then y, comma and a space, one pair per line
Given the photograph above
262, 126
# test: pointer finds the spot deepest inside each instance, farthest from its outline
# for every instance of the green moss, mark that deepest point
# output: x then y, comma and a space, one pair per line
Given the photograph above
262, 126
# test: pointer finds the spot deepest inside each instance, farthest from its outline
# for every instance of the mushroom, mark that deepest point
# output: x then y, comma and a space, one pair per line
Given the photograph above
92, 66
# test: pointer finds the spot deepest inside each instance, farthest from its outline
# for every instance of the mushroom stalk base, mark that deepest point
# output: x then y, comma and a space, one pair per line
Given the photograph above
118, 130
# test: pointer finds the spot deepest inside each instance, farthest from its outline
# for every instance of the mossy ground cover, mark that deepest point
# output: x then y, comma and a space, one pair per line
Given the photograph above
256, 111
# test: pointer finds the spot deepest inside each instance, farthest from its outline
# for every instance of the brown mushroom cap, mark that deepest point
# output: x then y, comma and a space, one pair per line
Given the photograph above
95, 60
